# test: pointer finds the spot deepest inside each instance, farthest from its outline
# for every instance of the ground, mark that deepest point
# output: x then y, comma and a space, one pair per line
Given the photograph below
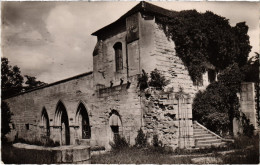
245, 150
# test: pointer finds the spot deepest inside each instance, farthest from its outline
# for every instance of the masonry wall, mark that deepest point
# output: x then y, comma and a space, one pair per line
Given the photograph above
27, 109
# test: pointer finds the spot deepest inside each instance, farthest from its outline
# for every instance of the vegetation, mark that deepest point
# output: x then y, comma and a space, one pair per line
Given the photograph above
216, 107
6, 115
119, 143
141, 139
12, 80
218, 104
156, 80
205, 39
243, 150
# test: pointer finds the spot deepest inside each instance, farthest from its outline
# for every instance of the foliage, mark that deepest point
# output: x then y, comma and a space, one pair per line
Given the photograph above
11, 79
6, 115
32, 82
251, 69
119, 143
143, 81
218, 104
157, 80
204, 39
141, 139
248, 129
156, 142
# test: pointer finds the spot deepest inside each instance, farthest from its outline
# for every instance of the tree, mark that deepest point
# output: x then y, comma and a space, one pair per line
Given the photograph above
32, 83
6, 115
12, 79
206, 38
217, 106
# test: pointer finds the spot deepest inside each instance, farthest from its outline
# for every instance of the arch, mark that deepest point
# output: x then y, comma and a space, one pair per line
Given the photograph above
82, 118
118, 56
62, 120
45, 123
115, 123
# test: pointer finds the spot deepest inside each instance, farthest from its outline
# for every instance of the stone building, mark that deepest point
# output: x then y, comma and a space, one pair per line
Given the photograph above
94, 106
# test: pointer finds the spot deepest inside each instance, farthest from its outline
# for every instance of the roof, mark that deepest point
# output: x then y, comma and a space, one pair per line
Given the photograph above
51, 84
140, 7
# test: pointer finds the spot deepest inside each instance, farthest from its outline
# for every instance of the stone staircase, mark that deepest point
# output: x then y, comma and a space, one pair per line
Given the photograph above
205, 138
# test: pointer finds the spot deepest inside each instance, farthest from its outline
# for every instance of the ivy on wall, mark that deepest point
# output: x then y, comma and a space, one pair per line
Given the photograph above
206, 39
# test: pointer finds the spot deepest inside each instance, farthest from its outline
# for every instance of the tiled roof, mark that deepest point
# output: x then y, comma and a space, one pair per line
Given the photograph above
144, 7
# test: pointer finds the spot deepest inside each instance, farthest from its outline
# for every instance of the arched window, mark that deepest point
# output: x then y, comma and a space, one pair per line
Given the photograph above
45, 122
118, 56
83, 119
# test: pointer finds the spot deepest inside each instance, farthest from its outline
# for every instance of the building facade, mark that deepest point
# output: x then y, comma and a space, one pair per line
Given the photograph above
93, 107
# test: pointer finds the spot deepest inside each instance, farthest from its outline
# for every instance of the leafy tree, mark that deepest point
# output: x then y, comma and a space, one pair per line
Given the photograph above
251, 69
12, 79
6, 115
217, 106
206, 38
32, 83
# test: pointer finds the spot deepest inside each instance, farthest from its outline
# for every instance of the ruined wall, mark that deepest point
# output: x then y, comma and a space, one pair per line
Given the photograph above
247, 99
168, 115
27, 109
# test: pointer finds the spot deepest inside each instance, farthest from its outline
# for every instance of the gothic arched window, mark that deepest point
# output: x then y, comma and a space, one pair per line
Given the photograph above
118, 56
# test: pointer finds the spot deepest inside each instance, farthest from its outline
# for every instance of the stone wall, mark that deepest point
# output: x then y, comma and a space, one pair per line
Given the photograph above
27, 109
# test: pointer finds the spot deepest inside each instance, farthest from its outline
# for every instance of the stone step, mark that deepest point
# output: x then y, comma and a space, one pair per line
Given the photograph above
199, 131
206, 138
208, 141
202, 135
209, 144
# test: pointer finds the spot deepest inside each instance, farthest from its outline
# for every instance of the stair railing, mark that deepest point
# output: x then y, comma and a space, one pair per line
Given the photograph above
207, 130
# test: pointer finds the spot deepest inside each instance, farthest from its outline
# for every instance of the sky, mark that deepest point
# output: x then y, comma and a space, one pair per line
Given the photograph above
52, 40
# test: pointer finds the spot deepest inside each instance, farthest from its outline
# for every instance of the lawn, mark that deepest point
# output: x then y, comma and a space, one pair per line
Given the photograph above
244, 151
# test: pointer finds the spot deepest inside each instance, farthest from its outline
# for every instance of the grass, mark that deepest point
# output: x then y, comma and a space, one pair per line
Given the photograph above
246, 151
138, 156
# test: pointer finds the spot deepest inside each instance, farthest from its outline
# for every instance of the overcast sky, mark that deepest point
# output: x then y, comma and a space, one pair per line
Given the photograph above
52, 40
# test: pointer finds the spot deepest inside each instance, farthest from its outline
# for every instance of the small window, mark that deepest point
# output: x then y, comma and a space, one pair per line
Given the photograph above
13, 125
211, 75
27, 126
198, 81
118, 56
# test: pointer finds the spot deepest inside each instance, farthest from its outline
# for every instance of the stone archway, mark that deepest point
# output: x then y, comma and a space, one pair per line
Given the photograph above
115, 124
62, 120
45, 123
82, 118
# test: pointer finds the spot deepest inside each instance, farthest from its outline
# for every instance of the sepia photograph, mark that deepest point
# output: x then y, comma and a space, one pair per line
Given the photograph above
130, 82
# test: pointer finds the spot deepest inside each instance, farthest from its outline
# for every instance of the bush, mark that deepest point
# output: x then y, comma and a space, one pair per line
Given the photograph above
157, 80
6, 115
217, 106
248, 129
156, 142
141, 139
119, 143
